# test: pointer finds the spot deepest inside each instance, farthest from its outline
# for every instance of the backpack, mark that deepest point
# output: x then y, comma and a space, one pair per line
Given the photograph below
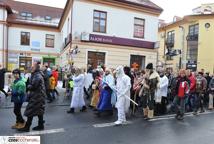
199, 84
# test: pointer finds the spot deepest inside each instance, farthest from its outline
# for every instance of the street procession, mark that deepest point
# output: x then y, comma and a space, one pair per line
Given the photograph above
122, 90
106, 71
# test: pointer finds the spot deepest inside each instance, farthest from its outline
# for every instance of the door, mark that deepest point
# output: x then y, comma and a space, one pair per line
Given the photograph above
137, 62
49, 61
96, 59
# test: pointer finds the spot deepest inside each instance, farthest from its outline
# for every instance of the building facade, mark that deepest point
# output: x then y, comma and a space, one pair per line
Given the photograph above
86, 32
29, 33
187, 43
110, 33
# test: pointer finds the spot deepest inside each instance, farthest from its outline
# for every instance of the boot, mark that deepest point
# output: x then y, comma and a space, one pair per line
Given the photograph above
145, 113
39, 127
180, 117
15, 126
21, 125
83, 109
150, 114
26, 128
70, 111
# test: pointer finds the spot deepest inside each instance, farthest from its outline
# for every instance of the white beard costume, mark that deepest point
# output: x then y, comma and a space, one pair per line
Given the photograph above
123, 90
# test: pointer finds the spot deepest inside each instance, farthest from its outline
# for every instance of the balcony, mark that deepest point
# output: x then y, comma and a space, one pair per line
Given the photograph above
192, 38
68, 39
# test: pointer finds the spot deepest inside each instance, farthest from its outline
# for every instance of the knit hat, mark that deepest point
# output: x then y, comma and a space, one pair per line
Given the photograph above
149, 66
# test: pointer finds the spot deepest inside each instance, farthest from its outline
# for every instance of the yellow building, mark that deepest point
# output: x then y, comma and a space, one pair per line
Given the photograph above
188, 43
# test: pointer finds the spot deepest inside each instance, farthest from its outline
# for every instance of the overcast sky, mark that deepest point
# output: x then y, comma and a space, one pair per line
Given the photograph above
171, 7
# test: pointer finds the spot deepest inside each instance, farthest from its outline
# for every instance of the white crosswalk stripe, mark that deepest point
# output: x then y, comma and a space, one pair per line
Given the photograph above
51, 131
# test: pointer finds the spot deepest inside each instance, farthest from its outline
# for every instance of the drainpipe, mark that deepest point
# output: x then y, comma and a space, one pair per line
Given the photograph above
3, 62
182, 55
164, 48
7, 49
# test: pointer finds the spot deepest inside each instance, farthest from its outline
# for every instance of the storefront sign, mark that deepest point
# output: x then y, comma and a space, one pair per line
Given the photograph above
120, 41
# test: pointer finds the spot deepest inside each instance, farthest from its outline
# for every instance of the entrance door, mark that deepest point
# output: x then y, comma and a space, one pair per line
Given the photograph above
49, 61
25, 63
137, 62
96, 59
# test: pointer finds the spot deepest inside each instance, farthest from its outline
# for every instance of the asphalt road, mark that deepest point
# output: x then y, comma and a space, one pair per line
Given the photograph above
86, 128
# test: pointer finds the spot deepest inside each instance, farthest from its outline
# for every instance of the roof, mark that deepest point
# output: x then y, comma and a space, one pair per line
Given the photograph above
187, 18
39, 12
2, 4
143, 3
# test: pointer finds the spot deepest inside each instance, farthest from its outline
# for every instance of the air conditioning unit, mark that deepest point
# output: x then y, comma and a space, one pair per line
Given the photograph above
85, 36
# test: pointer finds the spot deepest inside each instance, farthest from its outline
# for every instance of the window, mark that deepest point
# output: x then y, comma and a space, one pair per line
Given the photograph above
48, 18
100, 20
25, 38
139, 25
49, 41
26, 15
171, 36
193, 30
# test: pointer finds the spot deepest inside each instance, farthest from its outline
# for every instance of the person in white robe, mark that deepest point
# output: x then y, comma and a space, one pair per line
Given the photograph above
77, 100
123, 87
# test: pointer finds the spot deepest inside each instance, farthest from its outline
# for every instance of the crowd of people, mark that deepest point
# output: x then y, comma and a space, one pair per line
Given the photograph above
155, 92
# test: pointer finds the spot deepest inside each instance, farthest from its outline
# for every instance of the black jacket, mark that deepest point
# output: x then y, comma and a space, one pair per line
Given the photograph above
36, 96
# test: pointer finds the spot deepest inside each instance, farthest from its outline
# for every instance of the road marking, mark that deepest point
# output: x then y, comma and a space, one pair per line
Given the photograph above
109, 124
167, 117
41, 132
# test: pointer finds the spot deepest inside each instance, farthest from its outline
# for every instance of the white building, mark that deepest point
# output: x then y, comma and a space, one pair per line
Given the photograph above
28, 33
111, 33
86, 32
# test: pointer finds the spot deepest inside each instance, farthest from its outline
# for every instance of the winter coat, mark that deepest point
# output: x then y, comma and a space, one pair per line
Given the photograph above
192, 80
18, 91
211, 85
182, 87
36, 96
2, 73
55, 75
201, 84
52, 83
46, 79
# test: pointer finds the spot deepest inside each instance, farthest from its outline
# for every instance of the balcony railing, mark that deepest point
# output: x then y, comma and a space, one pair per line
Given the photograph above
192, 38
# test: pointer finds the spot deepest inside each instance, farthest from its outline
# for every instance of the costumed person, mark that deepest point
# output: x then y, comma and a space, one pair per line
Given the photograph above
77, 100
18, 98
201, 86
36, 99
150, 85
104, 104
95, 90
211, 93
123, 87
182, 91
161, 95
